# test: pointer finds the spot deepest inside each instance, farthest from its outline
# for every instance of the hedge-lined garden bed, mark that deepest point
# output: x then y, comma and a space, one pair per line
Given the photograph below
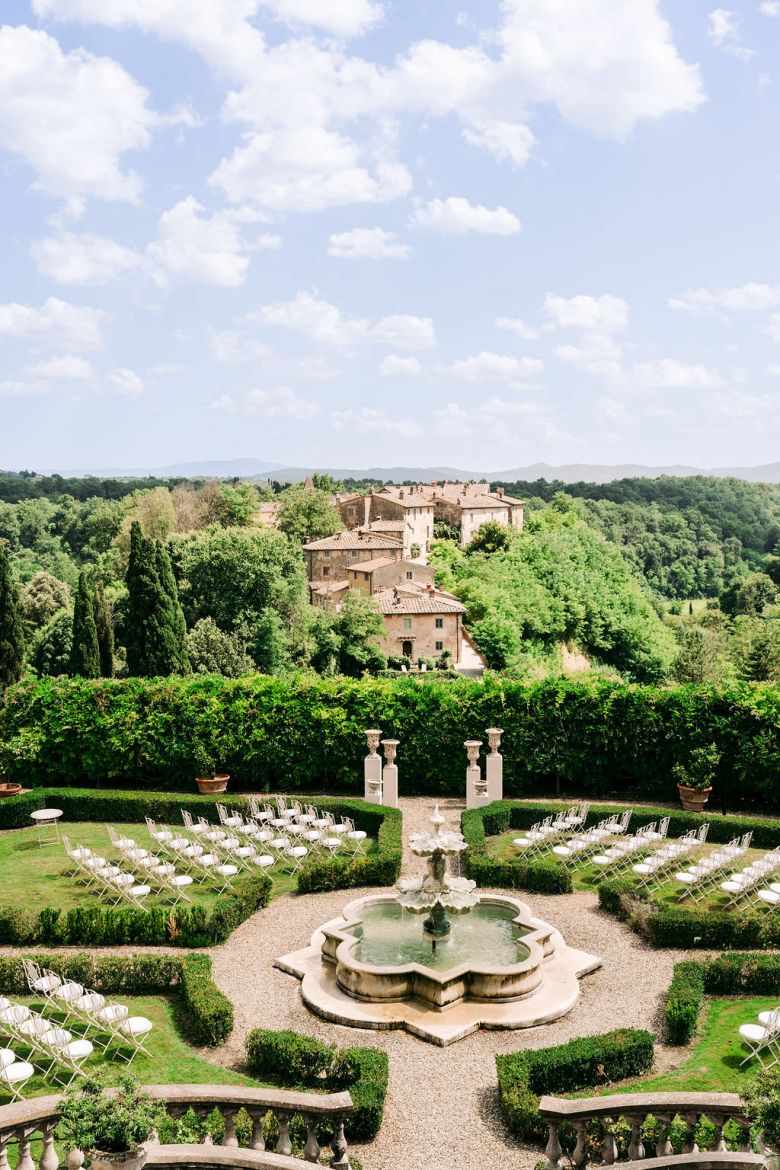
543, 875
294, 1061
379, 867
688, 928
210, 1011
585, 1063
722, 975
305, 733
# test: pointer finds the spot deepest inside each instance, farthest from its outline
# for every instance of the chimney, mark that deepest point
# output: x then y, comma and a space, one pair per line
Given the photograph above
401, 494
430, 587
500, 493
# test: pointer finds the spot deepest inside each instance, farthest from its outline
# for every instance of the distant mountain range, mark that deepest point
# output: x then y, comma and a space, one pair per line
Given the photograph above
567, 473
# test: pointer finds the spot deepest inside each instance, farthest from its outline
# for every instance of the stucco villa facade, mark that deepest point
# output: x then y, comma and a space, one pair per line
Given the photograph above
420, 622
331, 557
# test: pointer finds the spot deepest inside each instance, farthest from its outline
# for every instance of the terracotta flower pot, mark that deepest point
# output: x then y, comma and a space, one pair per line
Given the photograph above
10, 789
212, 785
693, 799
129, 1160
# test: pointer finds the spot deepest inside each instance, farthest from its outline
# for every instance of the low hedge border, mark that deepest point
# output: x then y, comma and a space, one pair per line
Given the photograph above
723, 975
381, 867
293, 1061
688, 928
211, 1012
584, 1063
543, 876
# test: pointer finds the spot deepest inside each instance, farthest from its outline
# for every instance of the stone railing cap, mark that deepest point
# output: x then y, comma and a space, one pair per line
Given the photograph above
614, 1103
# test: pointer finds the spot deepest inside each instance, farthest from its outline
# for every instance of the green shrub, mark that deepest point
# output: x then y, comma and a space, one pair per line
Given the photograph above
684, 1000
212, 1012
296, 732
294, 1061
589, 1061
543, 875
735, 974
379, 867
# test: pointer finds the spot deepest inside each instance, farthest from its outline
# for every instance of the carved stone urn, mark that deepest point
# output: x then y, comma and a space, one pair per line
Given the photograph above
391, 747
494, 739
372, 738
472, 747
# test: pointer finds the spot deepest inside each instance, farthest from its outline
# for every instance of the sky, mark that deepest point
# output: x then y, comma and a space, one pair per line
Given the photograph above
477, 233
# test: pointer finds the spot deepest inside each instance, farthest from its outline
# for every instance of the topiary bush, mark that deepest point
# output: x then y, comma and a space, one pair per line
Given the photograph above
211, 1011
684, 1000
294, 1061
584, 1063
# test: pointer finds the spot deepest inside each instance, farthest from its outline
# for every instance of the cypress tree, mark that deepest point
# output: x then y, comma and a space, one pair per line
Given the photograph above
155, 637
105, 632
12, 639
85, 652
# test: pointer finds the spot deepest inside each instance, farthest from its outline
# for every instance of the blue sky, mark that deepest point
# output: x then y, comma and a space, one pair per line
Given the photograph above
383, 232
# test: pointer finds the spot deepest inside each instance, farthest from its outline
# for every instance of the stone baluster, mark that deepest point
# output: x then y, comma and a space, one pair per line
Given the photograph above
230, 1138
689, 1142
25, 1157
339, 1148
283, 1145
636, 1148
203, 1115
372, 768
663, 1147
311, 1151
580, 1155
49, 1159
4, 1152
553, 1151
390, 774
257, 1141
718, 1141
609, 1150
494, 765
75, 1159
745, 1144
476, 785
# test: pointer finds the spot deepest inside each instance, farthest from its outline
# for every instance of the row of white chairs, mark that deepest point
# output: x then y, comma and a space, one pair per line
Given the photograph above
152, 869
698, 879
589, 840
652, 870
296, 819
739, 884
239, 846
541, 835
111, 881
621, 853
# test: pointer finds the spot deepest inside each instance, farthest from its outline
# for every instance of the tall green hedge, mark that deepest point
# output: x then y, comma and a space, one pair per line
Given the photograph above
305, 732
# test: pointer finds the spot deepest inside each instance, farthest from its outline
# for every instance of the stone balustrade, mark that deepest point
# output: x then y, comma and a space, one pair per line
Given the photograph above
635, 1109
27, 1123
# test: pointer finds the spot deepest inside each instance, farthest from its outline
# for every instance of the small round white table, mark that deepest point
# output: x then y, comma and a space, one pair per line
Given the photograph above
46, 817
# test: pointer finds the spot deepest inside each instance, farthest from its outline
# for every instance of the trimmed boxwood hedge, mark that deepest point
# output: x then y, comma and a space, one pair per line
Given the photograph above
302, 732
293, 1061
211, 1012
381, 867
540, 876
584, 1063
724, 975
688, 928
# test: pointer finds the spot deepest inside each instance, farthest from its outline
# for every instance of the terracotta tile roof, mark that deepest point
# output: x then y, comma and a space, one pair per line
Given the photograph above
328, 586
384, 526
468, 495
354, 539
399, 600
370, 566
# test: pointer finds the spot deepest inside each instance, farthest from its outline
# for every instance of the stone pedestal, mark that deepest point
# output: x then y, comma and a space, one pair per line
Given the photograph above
390, 774
494, 765
476, 785
372, 768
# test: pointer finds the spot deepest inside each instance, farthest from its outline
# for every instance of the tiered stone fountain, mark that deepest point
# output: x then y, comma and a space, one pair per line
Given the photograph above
494, 966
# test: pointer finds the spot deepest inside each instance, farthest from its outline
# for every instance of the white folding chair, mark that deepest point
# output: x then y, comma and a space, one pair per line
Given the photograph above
761, 1040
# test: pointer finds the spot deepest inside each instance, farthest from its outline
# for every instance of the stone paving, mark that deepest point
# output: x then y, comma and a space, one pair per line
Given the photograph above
442, 1108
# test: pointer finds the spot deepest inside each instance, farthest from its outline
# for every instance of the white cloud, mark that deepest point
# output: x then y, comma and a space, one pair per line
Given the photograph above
773, 368
394, 366
510, 142
516, 325
125, 383
773, 328
306, 168
368, 421
56, 322
71, 116
751, 297
65, 366
456, 216
83, 259
598, 353
493, 418
604, 314
21, 389
771, 7
367, 244
224, 402
280, 402
669, 374
481, 366
723, 29
325, 324
206, 249
343, 18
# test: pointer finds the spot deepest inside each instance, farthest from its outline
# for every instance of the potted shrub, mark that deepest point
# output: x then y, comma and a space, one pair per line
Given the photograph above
762, 1109
113, 1127
694, 779
7, 787
209, 780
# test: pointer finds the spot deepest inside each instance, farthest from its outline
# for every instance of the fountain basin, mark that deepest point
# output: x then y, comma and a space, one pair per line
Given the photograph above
493, 954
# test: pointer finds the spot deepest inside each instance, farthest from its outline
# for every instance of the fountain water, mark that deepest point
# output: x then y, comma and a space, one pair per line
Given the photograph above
496, 966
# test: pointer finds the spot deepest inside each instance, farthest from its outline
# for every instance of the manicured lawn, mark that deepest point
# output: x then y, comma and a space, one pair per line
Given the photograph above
35, 876
172, 1059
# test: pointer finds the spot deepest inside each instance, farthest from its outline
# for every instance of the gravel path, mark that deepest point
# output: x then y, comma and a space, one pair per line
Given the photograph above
442, 1108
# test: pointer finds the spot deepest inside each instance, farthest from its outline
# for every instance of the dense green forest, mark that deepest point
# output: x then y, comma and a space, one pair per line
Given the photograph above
647, 579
